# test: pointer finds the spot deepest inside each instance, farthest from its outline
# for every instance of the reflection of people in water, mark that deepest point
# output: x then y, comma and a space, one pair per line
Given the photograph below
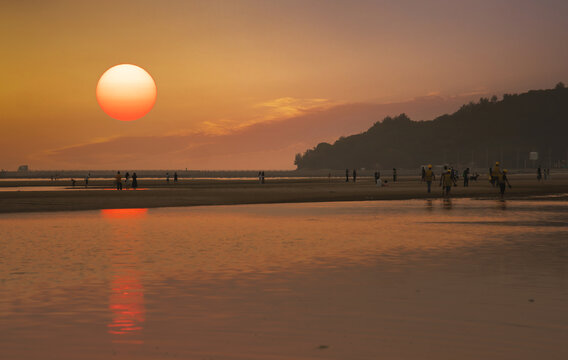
447, 203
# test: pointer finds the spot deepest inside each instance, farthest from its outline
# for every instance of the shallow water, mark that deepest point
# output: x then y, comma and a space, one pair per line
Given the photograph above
352, 280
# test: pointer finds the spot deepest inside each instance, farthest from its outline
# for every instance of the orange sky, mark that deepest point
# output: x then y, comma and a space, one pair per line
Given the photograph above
314, 70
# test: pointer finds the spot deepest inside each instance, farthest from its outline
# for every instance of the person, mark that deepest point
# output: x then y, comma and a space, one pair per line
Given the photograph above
466, 177
72, 182
446, 181
86, 180
428, 177
118, 179
134, 181
503, 182
393, 174
262, 177
354, 175
346, 175
423, 175
168, 177
545, 173
126, 179
495, 173
539, 174
175, 177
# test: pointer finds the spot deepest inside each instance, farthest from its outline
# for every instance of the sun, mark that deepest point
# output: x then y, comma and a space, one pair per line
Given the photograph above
126, 92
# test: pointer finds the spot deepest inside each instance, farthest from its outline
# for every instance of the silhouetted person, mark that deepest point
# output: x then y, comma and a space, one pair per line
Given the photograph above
175, 177
503, 182
346, 175
495, 173
168, 177
134, 181
446, 181
428, 177
118, 179
423, 175
262, 177
539, 174
354, 175
86, 180
394, 176
545, 173
73, 182
126, 178
466, 177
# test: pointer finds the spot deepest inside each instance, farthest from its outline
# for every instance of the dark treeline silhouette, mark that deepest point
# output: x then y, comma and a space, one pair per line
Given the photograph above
475, 135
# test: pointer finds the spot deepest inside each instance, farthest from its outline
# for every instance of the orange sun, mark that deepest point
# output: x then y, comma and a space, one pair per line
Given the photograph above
126, 92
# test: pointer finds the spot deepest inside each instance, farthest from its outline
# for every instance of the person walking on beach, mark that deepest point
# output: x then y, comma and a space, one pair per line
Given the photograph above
118, 179
168, 177
446, 181
539, 174
466, 177
262, 177
354, 175
134, 181
175, 177
394, 175
428, 177
126, 179
346, 175
423, 175
503, 182
495, 173
87, 180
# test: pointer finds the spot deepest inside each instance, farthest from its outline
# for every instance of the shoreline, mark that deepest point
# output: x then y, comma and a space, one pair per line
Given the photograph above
158, 193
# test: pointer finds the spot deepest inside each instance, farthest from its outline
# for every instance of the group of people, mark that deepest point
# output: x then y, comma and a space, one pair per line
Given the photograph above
449, 178
542, 174
129, 181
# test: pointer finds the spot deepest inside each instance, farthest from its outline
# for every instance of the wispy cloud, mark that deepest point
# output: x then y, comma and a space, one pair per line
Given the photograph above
264, 143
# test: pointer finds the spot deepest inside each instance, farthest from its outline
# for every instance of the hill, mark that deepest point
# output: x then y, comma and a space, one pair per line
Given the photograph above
476, 135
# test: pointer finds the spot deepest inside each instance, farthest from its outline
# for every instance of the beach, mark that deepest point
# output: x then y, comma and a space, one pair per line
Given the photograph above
153, 193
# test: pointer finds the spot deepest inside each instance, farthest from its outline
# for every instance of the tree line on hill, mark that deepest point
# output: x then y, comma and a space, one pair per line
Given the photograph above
476, 135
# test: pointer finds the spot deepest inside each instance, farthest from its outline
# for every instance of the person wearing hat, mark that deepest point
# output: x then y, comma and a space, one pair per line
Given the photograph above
428, 177
503, 182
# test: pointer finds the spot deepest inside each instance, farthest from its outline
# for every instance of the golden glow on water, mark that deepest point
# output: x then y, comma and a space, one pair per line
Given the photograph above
464, 279
126, 301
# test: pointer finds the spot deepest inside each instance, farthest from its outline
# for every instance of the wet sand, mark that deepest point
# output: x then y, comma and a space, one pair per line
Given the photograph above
192, 192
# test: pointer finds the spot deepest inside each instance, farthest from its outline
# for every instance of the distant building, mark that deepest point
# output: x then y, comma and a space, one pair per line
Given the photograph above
23, 168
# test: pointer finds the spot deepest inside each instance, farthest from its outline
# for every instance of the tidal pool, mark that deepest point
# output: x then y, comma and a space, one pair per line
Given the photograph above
418, 279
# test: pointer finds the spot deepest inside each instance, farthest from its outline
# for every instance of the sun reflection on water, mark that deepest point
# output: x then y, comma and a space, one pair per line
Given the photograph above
126, 301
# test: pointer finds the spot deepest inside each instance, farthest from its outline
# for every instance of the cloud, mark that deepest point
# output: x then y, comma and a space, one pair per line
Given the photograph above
260, 145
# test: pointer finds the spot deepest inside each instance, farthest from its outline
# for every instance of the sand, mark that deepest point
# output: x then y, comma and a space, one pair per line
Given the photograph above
193, 192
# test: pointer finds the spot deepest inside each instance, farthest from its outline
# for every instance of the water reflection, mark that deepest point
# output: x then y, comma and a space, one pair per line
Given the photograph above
502, 204
126, 301
124, 213
447, 203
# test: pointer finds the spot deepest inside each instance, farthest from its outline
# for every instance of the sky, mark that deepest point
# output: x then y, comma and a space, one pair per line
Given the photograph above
248, 84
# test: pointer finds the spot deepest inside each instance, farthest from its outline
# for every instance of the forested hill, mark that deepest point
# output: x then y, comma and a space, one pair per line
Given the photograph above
478, 133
